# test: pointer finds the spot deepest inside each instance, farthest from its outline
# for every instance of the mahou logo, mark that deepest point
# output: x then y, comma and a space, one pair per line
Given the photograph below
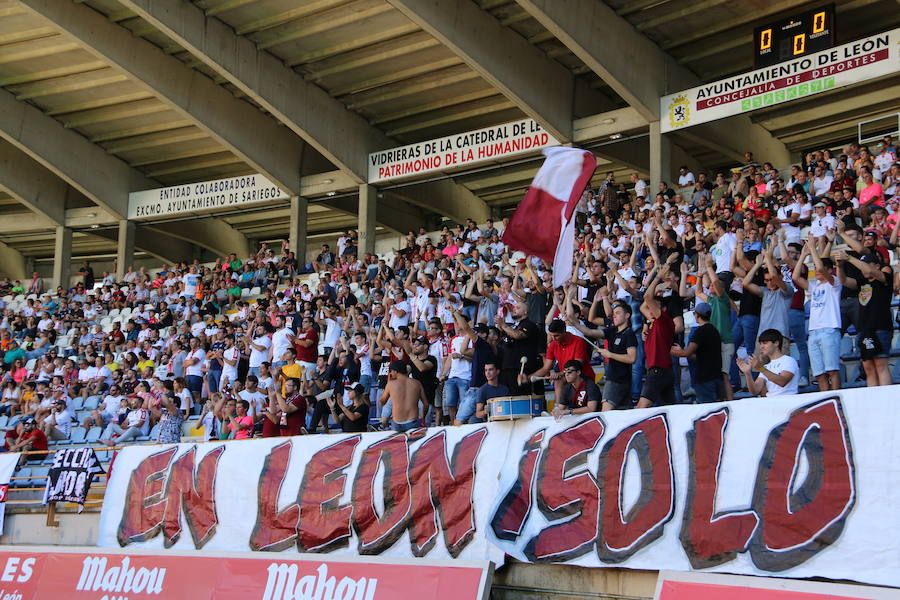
283, 584
123, 578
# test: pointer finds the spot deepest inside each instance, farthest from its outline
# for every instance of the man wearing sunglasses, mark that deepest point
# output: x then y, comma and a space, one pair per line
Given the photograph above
579, 394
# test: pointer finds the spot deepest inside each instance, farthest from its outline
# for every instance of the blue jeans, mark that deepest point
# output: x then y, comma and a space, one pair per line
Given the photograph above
797, 324
454, 391
466, 409
637, 369
212, 381
744, 332
709, 391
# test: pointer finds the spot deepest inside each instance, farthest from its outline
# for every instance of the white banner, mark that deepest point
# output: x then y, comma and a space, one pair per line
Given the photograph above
800, 486
8, 463
857, 61
219, 195
460, 150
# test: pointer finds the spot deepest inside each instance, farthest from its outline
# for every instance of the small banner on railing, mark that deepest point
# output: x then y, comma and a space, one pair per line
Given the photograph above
8, 462
70, 477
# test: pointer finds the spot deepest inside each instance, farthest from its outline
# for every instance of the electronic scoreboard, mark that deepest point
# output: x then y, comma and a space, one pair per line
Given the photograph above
802, 34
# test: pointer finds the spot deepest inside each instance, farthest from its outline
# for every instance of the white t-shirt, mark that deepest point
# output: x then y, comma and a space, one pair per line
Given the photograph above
256, 399
627, 274
280, 342
778, 366
640, 188
459, 367
112, 404
791, 231
200, 355
821, 186
824, 305
230, 371
257, 357
723, 250
265, 383
396, 321
686, 179
191, 281
821, 225
185, 397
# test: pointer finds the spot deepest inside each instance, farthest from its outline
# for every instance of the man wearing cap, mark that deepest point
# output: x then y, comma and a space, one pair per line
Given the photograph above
705, 349
407, 396
822, 222
32, 439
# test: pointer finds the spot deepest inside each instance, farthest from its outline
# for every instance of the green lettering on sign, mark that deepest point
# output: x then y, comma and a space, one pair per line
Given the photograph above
829, 82
745, 104
815, 86
792, 93
779, 96
803, 89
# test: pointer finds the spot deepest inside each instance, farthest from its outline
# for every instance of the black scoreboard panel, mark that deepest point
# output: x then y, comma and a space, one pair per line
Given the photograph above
802, 34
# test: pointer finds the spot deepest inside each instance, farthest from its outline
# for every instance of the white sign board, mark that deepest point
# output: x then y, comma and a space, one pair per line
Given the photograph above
204, 197
460, 150
844, 65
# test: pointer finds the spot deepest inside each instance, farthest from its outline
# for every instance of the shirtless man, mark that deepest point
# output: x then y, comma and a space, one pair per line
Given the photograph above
408, 396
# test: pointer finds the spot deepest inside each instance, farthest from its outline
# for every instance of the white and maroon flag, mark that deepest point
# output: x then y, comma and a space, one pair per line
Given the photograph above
544, 224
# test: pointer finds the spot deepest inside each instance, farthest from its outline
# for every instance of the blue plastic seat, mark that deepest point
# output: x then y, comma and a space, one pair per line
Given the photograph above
77, 403
77, 436
93, 436
92, 403
23, 472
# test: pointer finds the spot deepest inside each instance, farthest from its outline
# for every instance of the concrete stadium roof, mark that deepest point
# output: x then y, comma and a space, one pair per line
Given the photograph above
103, 97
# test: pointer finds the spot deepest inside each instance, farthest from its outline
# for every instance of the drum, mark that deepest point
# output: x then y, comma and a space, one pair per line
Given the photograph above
510, 408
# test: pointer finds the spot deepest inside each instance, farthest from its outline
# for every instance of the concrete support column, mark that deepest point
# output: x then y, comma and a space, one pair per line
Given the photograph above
660, 159
13, 264
367, 197
62, 256
299, 231
125, 248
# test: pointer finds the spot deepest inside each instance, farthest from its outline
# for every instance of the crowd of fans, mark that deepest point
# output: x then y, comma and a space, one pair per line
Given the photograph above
737, 283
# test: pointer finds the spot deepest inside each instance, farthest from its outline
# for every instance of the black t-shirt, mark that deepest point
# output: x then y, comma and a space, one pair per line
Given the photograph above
619, 343
482, 354
427, 376
586, 392
708, 358
751, 304
360, 425
527, 347
853, 273
875, 305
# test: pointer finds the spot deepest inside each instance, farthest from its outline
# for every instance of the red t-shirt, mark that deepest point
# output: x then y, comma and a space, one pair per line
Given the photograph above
309, 354
297, 419
658, 345
38, 440
571, 347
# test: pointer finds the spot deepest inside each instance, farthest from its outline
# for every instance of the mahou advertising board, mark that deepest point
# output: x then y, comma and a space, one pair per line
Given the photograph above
799, 486
86, 574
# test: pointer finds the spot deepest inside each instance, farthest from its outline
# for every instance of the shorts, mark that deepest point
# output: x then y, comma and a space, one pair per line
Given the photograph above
824, 350
454, 391
874, 344
616, 393
727, 356
659, 386
709, 391
194, 383
405, 426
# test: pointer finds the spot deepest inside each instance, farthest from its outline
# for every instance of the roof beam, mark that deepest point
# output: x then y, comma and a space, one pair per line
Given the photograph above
32, 184
342, 137
253, 136
447, 198
164, 247
101, 177
576, 22
214, 234
392, 213
541, 87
